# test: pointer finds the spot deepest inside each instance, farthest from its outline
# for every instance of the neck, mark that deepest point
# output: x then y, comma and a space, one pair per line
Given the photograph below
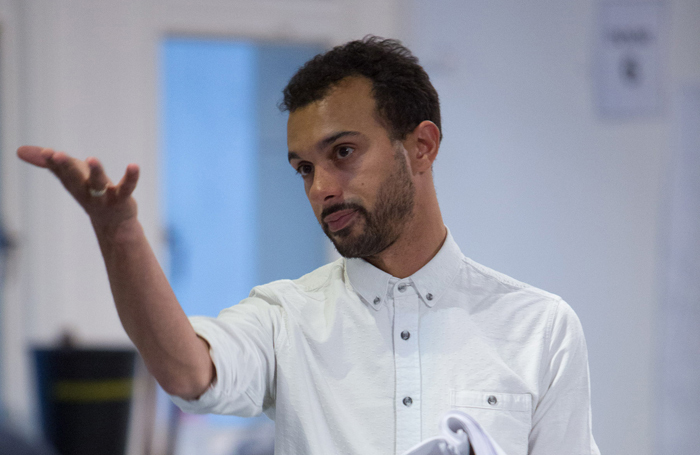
416, 246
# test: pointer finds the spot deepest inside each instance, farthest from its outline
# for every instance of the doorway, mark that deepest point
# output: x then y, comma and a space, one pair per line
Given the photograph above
235, 211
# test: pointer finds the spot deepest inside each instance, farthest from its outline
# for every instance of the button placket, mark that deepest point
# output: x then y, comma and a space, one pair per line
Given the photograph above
407, 363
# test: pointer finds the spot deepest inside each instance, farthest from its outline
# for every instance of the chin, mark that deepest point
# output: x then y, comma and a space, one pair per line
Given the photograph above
344, 242
340, 234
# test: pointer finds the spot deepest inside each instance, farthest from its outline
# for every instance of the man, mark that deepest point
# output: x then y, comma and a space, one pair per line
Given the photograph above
364, 355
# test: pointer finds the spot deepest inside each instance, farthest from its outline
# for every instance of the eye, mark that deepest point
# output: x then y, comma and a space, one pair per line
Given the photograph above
304, 169
344, 151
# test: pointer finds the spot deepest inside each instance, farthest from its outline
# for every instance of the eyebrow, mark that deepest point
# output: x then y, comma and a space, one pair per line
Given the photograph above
324, 142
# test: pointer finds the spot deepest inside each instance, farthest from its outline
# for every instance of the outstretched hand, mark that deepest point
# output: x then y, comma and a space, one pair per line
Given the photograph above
105, 202
145, 302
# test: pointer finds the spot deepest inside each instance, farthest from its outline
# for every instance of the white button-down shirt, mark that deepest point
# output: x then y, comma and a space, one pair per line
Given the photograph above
350, 360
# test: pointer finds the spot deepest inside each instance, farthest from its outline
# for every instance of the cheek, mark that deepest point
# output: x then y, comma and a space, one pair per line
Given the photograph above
316, 209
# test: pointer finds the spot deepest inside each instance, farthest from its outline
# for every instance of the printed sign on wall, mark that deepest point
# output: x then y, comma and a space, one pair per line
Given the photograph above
629, 59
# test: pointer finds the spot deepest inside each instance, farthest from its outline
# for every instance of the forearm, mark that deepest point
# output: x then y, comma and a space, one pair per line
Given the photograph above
147, 307
150, 313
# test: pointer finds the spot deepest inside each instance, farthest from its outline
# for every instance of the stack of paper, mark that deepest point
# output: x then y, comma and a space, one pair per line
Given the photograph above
458, 431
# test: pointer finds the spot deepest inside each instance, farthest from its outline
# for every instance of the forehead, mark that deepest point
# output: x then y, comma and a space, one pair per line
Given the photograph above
348, 106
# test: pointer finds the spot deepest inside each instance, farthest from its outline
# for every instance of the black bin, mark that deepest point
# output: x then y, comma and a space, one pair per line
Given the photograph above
85, 399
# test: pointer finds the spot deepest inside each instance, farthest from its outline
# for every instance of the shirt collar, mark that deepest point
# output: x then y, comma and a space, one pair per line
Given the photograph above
430, 281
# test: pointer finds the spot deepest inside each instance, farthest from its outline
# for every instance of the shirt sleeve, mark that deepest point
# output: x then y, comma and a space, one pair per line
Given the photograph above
562, 417
242, 346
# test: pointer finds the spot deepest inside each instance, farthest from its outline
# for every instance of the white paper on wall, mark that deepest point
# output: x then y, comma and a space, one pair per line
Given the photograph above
628, 55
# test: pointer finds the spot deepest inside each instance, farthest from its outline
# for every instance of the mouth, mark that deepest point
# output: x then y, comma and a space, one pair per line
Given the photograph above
340, 219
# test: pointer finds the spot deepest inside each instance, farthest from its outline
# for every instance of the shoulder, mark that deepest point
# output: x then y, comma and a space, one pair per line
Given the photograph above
500, 297
482, 278
509, 309
309, 286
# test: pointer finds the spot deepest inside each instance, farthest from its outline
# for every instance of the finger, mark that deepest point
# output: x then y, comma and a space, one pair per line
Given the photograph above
72, 172
33, 155
97, 180
127, 184
65, 166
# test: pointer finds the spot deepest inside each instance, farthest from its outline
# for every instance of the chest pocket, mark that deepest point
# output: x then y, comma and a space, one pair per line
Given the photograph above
506, 416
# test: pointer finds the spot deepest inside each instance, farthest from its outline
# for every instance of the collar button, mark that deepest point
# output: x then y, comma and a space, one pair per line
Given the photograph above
377, 300
429, 296
402, 287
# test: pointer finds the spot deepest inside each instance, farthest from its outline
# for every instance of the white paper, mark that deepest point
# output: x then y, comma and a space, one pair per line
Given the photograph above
457, 431
629, 59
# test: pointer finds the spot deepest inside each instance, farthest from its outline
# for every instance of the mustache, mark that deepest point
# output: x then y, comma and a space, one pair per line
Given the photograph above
343, 206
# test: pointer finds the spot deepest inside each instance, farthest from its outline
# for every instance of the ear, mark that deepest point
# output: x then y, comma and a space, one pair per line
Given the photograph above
422, 146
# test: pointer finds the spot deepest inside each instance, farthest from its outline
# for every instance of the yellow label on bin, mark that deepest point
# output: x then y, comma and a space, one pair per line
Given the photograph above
93, 390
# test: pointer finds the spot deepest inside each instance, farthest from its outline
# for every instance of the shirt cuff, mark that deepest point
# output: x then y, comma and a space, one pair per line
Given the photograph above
212, 396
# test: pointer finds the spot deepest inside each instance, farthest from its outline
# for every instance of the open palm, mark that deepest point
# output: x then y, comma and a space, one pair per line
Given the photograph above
105, 202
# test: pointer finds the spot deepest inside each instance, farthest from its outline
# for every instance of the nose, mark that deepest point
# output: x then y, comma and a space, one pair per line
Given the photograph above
325, 185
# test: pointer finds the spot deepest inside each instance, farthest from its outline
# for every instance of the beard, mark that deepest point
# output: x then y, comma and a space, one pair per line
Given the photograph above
384, 224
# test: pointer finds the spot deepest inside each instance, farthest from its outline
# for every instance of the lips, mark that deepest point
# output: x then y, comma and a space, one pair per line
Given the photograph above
340, 219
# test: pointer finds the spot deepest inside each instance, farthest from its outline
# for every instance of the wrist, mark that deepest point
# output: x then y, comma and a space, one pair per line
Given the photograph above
125, 231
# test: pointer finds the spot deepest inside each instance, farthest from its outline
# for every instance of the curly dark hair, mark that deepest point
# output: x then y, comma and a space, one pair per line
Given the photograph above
401, 88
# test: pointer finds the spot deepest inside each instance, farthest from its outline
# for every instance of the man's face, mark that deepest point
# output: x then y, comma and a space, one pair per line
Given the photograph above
355, 177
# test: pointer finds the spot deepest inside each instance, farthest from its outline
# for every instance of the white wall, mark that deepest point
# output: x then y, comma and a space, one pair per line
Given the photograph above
533, 182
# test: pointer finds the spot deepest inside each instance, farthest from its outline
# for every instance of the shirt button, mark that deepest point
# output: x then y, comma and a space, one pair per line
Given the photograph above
407, 402
492, 400
377, 300
429, 296
405, 334
402, 287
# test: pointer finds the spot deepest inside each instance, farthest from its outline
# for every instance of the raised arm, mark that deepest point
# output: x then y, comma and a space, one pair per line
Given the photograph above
147, 307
